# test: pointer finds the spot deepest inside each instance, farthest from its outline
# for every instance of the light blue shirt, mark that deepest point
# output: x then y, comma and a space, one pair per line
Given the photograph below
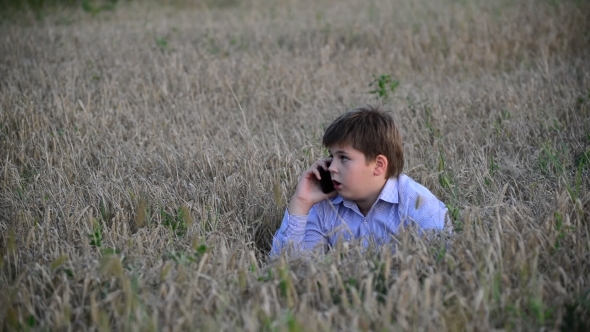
402, 202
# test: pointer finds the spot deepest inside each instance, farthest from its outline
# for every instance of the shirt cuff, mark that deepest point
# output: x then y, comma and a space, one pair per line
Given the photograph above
296, 226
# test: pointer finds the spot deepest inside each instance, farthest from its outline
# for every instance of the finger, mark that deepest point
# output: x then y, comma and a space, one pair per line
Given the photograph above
314, 171
317, 174
324, 163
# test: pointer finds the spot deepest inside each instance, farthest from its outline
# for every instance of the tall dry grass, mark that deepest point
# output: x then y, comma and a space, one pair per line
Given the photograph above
147, 155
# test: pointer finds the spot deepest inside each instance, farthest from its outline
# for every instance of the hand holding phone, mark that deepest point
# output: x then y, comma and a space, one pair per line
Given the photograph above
307, 194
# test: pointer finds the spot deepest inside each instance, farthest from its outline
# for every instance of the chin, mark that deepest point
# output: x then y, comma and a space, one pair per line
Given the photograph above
345, 196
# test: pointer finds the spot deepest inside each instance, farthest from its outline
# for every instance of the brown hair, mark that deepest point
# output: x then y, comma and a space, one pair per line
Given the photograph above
372, 131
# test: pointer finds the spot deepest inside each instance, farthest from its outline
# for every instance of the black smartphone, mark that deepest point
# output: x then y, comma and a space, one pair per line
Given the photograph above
326, 180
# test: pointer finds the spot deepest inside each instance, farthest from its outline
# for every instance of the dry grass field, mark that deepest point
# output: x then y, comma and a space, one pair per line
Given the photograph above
148, 149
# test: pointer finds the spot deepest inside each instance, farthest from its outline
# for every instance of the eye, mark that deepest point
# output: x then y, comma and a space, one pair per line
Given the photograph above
344, 158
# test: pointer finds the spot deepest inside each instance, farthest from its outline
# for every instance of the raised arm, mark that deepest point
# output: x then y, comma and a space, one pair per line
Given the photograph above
301, 224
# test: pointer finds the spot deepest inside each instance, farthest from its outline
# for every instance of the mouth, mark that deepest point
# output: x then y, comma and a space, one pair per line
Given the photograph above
337, 185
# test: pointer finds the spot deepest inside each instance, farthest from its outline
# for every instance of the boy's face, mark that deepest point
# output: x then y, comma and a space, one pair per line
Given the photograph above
353, 177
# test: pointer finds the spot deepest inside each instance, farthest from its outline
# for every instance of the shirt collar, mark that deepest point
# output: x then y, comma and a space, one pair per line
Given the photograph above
389, 194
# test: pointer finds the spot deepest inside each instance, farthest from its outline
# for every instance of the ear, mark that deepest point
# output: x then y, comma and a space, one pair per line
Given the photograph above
380, 165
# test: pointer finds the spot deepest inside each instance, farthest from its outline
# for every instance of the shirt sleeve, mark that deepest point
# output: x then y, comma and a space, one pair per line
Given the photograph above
419, 206
428, 212
433, 215
302, 232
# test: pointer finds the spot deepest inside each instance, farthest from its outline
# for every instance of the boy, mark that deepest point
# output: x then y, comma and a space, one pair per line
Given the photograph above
371, 200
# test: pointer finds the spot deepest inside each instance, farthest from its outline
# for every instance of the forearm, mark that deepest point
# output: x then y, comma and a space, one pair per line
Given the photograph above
303, 232
299, 207
292, 230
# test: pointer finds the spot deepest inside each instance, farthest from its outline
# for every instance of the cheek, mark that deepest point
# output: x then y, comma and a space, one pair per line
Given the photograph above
347, 169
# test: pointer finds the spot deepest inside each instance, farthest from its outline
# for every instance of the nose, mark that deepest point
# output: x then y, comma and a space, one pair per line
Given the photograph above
332, 168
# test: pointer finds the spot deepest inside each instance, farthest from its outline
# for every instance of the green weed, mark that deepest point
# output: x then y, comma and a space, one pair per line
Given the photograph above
549, 161
212, 219
211, 45
577, 314
445, 179
492, 169
175, 222
186, 258
583, 160
385, 86
162, 43
439, 252
91, 7
540, 313
428, 119
96, 235
499, 124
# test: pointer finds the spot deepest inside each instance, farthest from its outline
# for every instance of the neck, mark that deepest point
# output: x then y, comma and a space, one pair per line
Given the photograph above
366, 204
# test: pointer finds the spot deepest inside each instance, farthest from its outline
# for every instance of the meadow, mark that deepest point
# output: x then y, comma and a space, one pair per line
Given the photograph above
148, 151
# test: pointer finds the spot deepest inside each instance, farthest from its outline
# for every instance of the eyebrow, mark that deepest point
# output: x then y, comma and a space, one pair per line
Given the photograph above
338, 152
